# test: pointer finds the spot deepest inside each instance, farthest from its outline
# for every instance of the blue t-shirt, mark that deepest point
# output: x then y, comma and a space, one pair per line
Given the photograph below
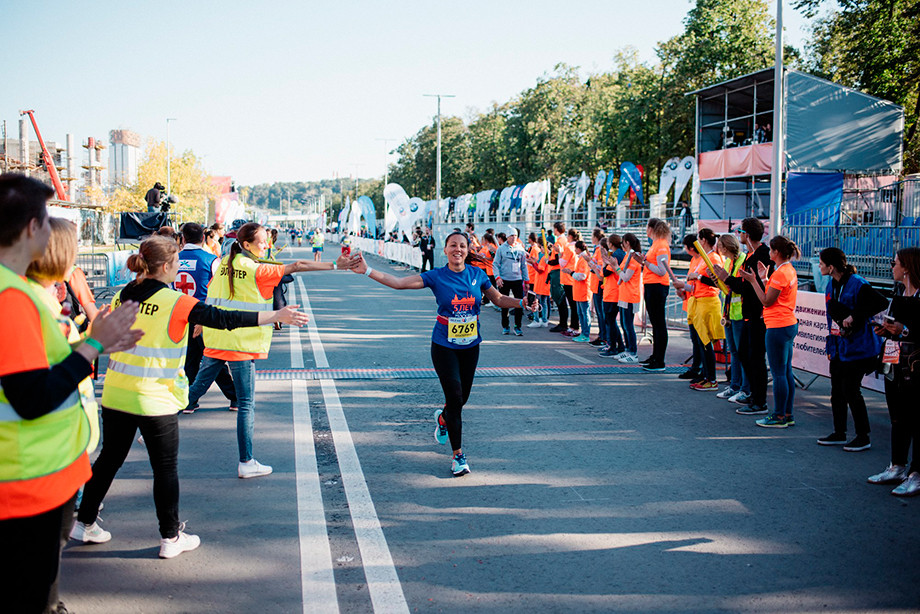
459, 295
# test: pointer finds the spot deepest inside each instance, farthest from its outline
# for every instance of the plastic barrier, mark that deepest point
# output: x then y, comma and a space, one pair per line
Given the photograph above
402, 253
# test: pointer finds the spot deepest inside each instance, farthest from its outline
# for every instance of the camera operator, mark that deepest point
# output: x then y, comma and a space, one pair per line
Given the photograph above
154, 197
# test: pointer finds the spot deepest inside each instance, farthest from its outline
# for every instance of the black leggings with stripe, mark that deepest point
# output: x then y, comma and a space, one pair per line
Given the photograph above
456, 369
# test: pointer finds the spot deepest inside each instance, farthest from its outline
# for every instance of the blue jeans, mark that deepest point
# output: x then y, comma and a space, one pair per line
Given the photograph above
733, 333
627, 317
614, 338
244, 382
584, 317
779, 355
543, 314
598, 300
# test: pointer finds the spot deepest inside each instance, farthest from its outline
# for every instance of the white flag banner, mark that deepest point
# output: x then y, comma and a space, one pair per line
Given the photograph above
581, 188
668, 176
685, 171
504, 201
483, 200
599, 183
416, 211
397, 206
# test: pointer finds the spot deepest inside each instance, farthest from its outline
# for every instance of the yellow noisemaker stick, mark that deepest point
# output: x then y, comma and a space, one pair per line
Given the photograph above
712, 272
545, 246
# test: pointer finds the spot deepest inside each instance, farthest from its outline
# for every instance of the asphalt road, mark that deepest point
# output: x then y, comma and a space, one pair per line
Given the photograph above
588, 492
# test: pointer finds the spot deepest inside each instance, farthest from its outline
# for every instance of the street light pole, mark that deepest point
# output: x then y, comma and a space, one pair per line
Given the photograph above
168, 176
438, 167
776, 173
386, 164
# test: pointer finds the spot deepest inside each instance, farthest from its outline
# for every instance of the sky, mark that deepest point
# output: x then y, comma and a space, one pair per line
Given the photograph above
300, 91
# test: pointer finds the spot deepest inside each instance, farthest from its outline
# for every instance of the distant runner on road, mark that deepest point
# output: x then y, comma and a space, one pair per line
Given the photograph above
459, 290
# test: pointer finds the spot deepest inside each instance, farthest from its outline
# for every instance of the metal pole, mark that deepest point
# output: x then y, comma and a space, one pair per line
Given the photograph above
6, 150
776, 173
438, 166
386, 164
168, 175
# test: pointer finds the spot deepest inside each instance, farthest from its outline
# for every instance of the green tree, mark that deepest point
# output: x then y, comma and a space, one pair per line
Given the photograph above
872, 46
190, 183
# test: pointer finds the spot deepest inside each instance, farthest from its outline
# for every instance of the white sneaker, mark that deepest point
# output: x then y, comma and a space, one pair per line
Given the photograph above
535, 324
894, 474
546, 324
629, 359
741, 398
253, 469
92, 534
727, 393
183, 542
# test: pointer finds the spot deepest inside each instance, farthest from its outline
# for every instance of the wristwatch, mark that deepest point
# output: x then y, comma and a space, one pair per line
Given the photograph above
905, 332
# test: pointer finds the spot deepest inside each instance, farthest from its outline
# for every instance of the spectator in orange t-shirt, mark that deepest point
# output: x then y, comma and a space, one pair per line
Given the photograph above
656, 283
782, 326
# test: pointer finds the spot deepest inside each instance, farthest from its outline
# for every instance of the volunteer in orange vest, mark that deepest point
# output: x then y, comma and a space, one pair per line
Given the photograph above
655, 281
242, 282
43, 425
782, 326
628, 302
146, 388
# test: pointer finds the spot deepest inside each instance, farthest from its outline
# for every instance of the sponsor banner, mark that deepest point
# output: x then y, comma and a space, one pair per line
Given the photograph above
808, 348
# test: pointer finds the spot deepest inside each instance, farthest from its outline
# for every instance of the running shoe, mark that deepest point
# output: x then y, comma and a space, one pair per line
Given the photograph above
704, 386
654, 366
558, 329
894, 474
570, 333
629, 359
741, 398
459, 466
752, 410
506, 331
727, 393
859, 443
440, 429
518, 332
608, 354
183, 542
691, 374
89, 533
535, 324
597, 342
581, 339
775, 421
834, 439
645, 361
190, 409
909, 487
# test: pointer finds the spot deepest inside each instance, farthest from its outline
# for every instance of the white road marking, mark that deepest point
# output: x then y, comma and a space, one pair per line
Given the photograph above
382, 580
575, 356
317, 580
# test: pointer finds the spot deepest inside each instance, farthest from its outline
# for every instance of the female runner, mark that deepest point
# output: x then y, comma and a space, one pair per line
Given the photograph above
459, 290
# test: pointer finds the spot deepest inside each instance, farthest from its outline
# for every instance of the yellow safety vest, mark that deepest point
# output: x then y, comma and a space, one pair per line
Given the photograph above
318, 239
86, 388
734, 307
246, 297
35, 448
149, 380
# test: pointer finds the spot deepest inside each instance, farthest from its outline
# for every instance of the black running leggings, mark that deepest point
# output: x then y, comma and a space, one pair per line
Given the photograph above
573, 308
456, 369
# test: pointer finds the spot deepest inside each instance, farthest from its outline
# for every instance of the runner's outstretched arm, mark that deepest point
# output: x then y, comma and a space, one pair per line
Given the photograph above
412, 282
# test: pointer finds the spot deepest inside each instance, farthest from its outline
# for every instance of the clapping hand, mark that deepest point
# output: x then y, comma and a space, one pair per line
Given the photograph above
762, 270
720, 272
112, 328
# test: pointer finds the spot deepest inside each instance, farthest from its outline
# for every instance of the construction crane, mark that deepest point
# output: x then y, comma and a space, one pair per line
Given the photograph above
46, 156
